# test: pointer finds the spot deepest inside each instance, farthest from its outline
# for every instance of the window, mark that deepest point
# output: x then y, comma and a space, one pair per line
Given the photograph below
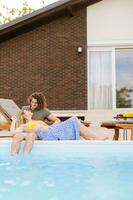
124, 78
110, 78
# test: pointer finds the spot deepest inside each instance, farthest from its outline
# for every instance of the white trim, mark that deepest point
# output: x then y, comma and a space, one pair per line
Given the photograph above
88, 105
88, 98
99, 48
69, 113
112, 43
113, 80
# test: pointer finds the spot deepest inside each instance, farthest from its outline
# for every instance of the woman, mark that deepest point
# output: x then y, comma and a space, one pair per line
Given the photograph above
38, 106
70, 129
19, 133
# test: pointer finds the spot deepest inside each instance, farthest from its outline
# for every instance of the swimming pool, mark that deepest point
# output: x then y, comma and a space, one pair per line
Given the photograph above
68, 170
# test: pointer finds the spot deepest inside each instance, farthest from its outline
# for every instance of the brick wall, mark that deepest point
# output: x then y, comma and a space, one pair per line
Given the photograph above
45, 59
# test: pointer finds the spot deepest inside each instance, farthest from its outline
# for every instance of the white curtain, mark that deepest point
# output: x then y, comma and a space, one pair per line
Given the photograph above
100, 79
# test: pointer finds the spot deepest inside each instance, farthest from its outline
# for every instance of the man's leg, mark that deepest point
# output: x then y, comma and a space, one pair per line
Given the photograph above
86, 134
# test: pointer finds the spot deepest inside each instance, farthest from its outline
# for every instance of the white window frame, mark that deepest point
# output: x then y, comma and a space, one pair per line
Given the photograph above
107, 46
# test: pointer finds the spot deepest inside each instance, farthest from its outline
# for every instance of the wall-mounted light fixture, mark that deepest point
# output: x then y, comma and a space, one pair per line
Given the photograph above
80, 50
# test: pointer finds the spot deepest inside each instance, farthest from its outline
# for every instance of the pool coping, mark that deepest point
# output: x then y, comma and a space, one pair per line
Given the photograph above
99, 142
41, 147
84, 146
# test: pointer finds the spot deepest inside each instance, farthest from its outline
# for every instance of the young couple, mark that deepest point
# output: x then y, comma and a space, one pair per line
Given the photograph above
30, 125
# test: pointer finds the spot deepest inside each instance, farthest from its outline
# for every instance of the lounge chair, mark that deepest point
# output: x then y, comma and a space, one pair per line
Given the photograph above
8, 108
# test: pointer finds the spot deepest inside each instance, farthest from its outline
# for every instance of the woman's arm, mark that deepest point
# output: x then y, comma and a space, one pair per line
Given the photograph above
54, 119
17, 130
13, 123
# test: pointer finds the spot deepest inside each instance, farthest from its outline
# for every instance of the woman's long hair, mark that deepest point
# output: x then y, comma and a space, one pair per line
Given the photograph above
20, 119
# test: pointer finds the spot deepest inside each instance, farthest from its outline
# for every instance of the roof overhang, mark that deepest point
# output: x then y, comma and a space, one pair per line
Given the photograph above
48, 12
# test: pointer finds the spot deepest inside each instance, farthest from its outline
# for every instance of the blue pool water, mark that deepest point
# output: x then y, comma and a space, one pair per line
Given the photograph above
63, 172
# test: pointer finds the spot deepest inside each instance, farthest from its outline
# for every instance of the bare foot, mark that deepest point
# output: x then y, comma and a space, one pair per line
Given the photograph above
104, 138
101, 138
13, 153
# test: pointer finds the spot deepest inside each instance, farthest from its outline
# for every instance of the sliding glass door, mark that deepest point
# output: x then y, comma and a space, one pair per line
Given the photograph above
110, 78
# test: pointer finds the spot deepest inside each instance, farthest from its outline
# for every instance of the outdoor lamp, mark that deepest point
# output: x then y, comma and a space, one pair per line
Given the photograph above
80, 50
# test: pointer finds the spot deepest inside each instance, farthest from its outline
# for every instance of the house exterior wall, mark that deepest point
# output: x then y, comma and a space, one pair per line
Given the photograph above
110, 20
45, 59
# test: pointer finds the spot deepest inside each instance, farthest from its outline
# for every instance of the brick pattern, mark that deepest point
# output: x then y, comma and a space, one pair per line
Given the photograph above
45, 59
